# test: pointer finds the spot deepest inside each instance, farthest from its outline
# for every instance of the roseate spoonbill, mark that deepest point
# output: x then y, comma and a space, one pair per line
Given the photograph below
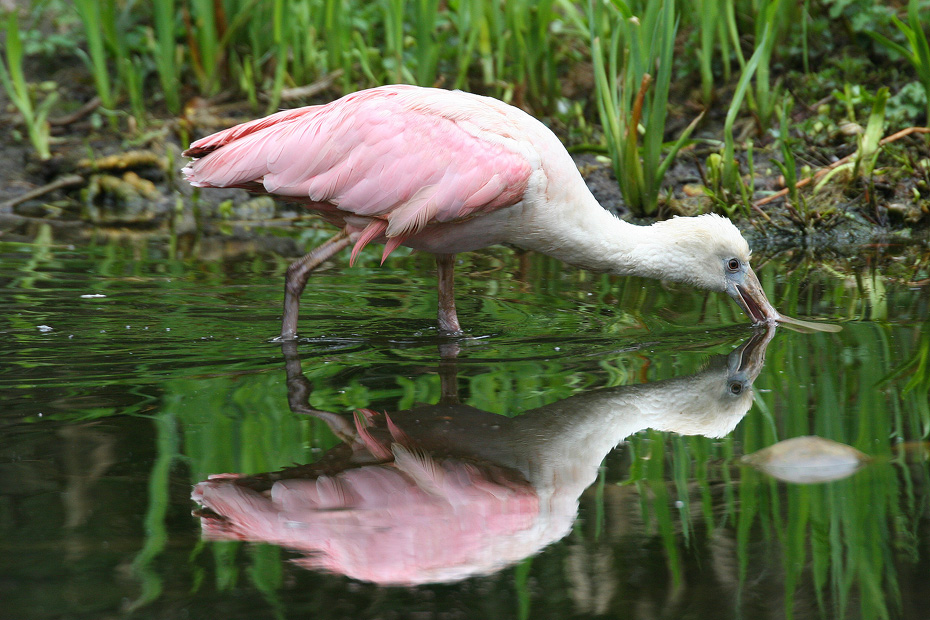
448, 172
444, 492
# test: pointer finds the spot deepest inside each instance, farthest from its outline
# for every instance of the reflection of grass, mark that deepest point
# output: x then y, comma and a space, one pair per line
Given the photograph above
156, 532
243, 425
844, 538
916, 367
866, 387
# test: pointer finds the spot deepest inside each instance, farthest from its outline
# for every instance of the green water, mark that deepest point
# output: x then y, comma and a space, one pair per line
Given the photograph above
130, 374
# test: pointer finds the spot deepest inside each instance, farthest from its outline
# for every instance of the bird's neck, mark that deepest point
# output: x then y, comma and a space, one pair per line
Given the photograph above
564, 442
584, 234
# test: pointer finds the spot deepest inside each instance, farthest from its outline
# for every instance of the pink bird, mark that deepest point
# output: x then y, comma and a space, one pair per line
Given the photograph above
448, 172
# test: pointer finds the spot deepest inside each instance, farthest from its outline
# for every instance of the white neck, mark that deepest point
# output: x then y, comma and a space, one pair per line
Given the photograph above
584, 234
579, 431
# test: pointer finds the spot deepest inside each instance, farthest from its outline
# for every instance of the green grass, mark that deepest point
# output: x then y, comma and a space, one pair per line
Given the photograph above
730, 174
13, 78
917, 51
91, 13
166, 53
194, 47
631, 101
568, 62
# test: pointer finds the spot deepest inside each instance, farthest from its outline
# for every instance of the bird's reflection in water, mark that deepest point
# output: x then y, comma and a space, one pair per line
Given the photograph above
440, 493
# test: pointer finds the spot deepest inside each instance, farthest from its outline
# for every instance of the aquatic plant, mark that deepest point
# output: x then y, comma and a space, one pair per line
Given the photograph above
918, 50
708, 15
166, 52
728, 187
35, 117
91, 13
796, 202
630, 100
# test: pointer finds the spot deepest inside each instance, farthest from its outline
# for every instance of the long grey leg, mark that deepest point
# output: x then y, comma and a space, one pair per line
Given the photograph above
296, 280
448, 321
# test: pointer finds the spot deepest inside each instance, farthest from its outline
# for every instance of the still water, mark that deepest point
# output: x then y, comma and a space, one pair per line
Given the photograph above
578, 453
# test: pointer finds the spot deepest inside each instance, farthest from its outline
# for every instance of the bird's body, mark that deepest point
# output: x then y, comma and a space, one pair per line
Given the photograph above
448, 172
389, 163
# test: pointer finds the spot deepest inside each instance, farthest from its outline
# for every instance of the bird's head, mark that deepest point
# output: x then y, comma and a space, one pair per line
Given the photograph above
709, 252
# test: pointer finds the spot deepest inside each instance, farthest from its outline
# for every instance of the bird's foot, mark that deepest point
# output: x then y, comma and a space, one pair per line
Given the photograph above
289, 337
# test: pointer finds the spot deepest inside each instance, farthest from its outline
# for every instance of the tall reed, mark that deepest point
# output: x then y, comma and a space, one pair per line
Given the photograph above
167, 54
631, 102
91, 14
730, 174
14, 82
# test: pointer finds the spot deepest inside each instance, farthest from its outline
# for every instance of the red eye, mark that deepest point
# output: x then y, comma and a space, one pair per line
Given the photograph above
733, 264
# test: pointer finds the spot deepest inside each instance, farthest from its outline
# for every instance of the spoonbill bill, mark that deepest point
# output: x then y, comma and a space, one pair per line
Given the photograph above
448, 172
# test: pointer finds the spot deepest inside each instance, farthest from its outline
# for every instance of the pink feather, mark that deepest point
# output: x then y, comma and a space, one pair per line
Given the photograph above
390, 154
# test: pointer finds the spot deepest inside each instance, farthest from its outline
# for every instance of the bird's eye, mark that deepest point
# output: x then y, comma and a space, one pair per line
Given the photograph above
733, 265
736, 388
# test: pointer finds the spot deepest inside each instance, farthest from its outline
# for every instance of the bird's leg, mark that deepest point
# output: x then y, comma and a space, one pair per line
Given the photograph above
448, 373
298, 396
296, 279
448, 321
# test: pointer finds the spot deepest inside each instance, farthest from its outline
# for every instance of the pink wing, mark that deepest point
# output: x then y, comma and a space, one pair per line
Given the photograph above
398, 155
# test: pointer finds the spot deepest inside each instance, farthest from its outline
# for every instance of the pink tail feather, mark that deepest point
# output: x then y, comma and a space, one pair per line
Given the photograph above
391, 245
375, 447
374, 230
371, 232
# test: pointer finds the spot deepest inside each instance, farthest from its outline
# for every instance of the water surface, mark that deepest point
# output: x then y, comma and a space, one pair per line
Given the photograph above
131, 373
